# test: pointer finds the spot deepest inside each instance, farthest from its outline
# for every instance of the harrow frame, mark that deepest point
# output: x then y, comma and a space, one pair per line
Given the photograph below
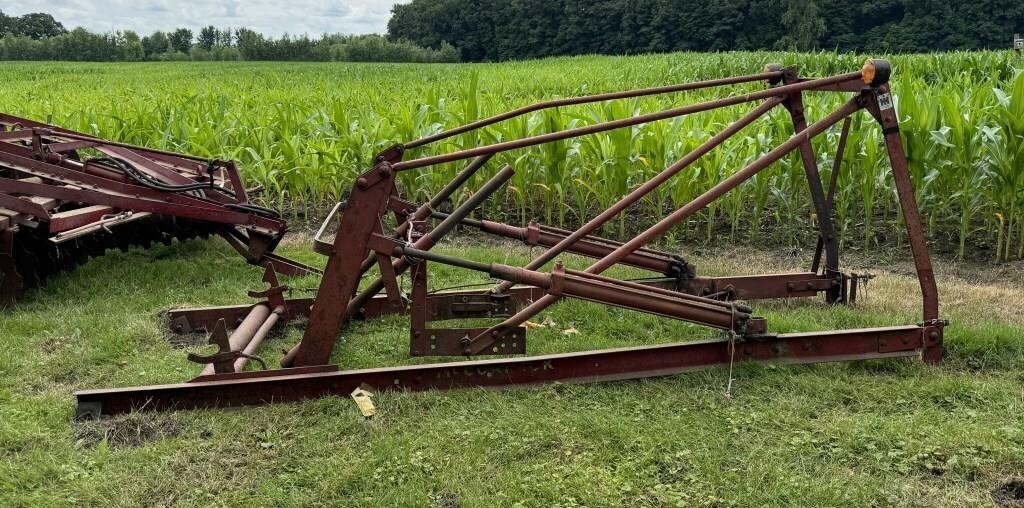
676, 293
59, 205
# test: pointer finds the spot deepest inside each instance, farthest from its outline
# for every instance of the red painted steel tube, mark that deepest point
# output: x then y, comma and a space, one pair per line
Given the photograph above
257, 338
779, 91
80, 177
129, 203
620, 295
682, 213
245, 332
572, 101
349, 306
601, 240
587, 246
629, 295
649, 186
915, 229
254, 388
74, 135
437, 200
657, 290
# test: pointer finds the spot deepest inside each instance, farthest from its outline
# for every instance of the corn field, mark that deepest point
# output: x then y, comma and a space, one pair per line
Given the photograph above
304, 130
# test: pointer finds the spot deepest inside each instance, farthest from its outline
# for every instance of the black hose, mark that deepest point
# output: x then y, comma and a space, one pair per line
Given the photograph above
256, 209
148, 181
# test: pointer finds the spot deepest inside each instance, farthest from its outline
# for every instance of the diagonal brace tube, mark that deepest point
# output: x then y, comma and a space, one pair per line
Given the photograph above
648, 187
572, 101
780, 91
425, 243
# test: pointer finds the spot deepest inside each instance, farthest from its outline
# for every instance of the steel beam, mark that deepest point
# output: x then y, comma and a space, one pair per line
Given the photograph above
254, 388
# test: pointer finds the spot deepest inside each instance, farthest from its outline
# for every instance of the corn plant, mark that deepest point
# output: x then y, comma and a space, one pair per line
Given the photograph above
303, 131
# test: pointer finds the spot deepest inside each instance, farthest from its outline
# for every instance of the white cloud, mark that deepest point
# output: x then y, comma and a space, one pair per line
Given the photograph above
270, 17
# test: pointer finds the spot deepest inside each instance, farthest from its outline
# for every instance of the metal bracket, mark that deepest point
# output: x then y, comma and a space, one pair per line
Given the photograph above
224, 359
320, 245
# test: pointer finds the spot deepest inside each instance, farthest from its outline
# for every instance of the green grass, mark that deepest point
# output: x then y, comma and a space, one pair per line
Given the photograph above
877, 433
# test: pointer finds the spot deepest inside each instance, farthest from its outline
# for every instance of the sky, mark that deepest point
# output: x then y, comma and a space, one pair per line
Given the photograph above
270, 17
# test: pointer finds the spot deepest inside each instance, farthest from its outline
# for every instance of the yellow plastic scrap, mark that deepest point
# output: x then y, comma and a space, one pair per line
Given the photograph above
365, 403
530, 325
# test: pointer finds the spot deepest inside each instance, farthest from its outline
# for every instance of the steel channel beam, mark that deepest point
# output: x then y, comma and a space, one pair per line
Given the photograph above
255, 388
341, 276
72, 219
126, 202
882, 108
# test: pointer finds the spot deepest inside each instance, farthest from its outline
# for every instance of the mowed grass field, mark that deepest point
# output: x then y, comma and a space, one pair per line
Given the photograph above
876, 433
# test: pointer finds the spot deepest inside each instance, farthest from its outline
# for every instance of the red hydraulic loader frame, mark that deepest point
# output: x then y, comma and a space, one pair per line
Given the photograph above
677, 293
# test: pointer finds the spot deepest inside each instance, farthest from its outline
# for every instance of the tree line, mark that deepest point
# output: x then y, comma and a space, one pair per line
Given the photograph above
491, 30
38, 36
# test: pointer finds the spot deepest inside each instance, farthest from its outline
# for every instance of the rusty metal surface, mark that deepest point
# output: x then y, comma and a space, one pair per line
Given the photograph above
625, 122
687, 210
586, 367
822, 206
77, 206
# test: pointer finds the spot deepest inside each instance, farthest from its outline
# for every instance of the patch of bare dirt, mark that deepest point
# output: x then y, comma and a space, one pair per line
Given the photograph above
1009, 494
131, 430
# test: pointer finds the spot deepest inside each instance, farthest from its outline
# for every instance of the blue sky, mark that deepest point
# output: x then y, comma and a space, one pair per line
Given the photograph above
271, 17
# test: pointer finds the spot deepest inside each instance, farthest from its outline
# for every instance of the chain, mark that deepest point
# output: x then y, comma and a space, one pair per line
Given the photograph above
730, 335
